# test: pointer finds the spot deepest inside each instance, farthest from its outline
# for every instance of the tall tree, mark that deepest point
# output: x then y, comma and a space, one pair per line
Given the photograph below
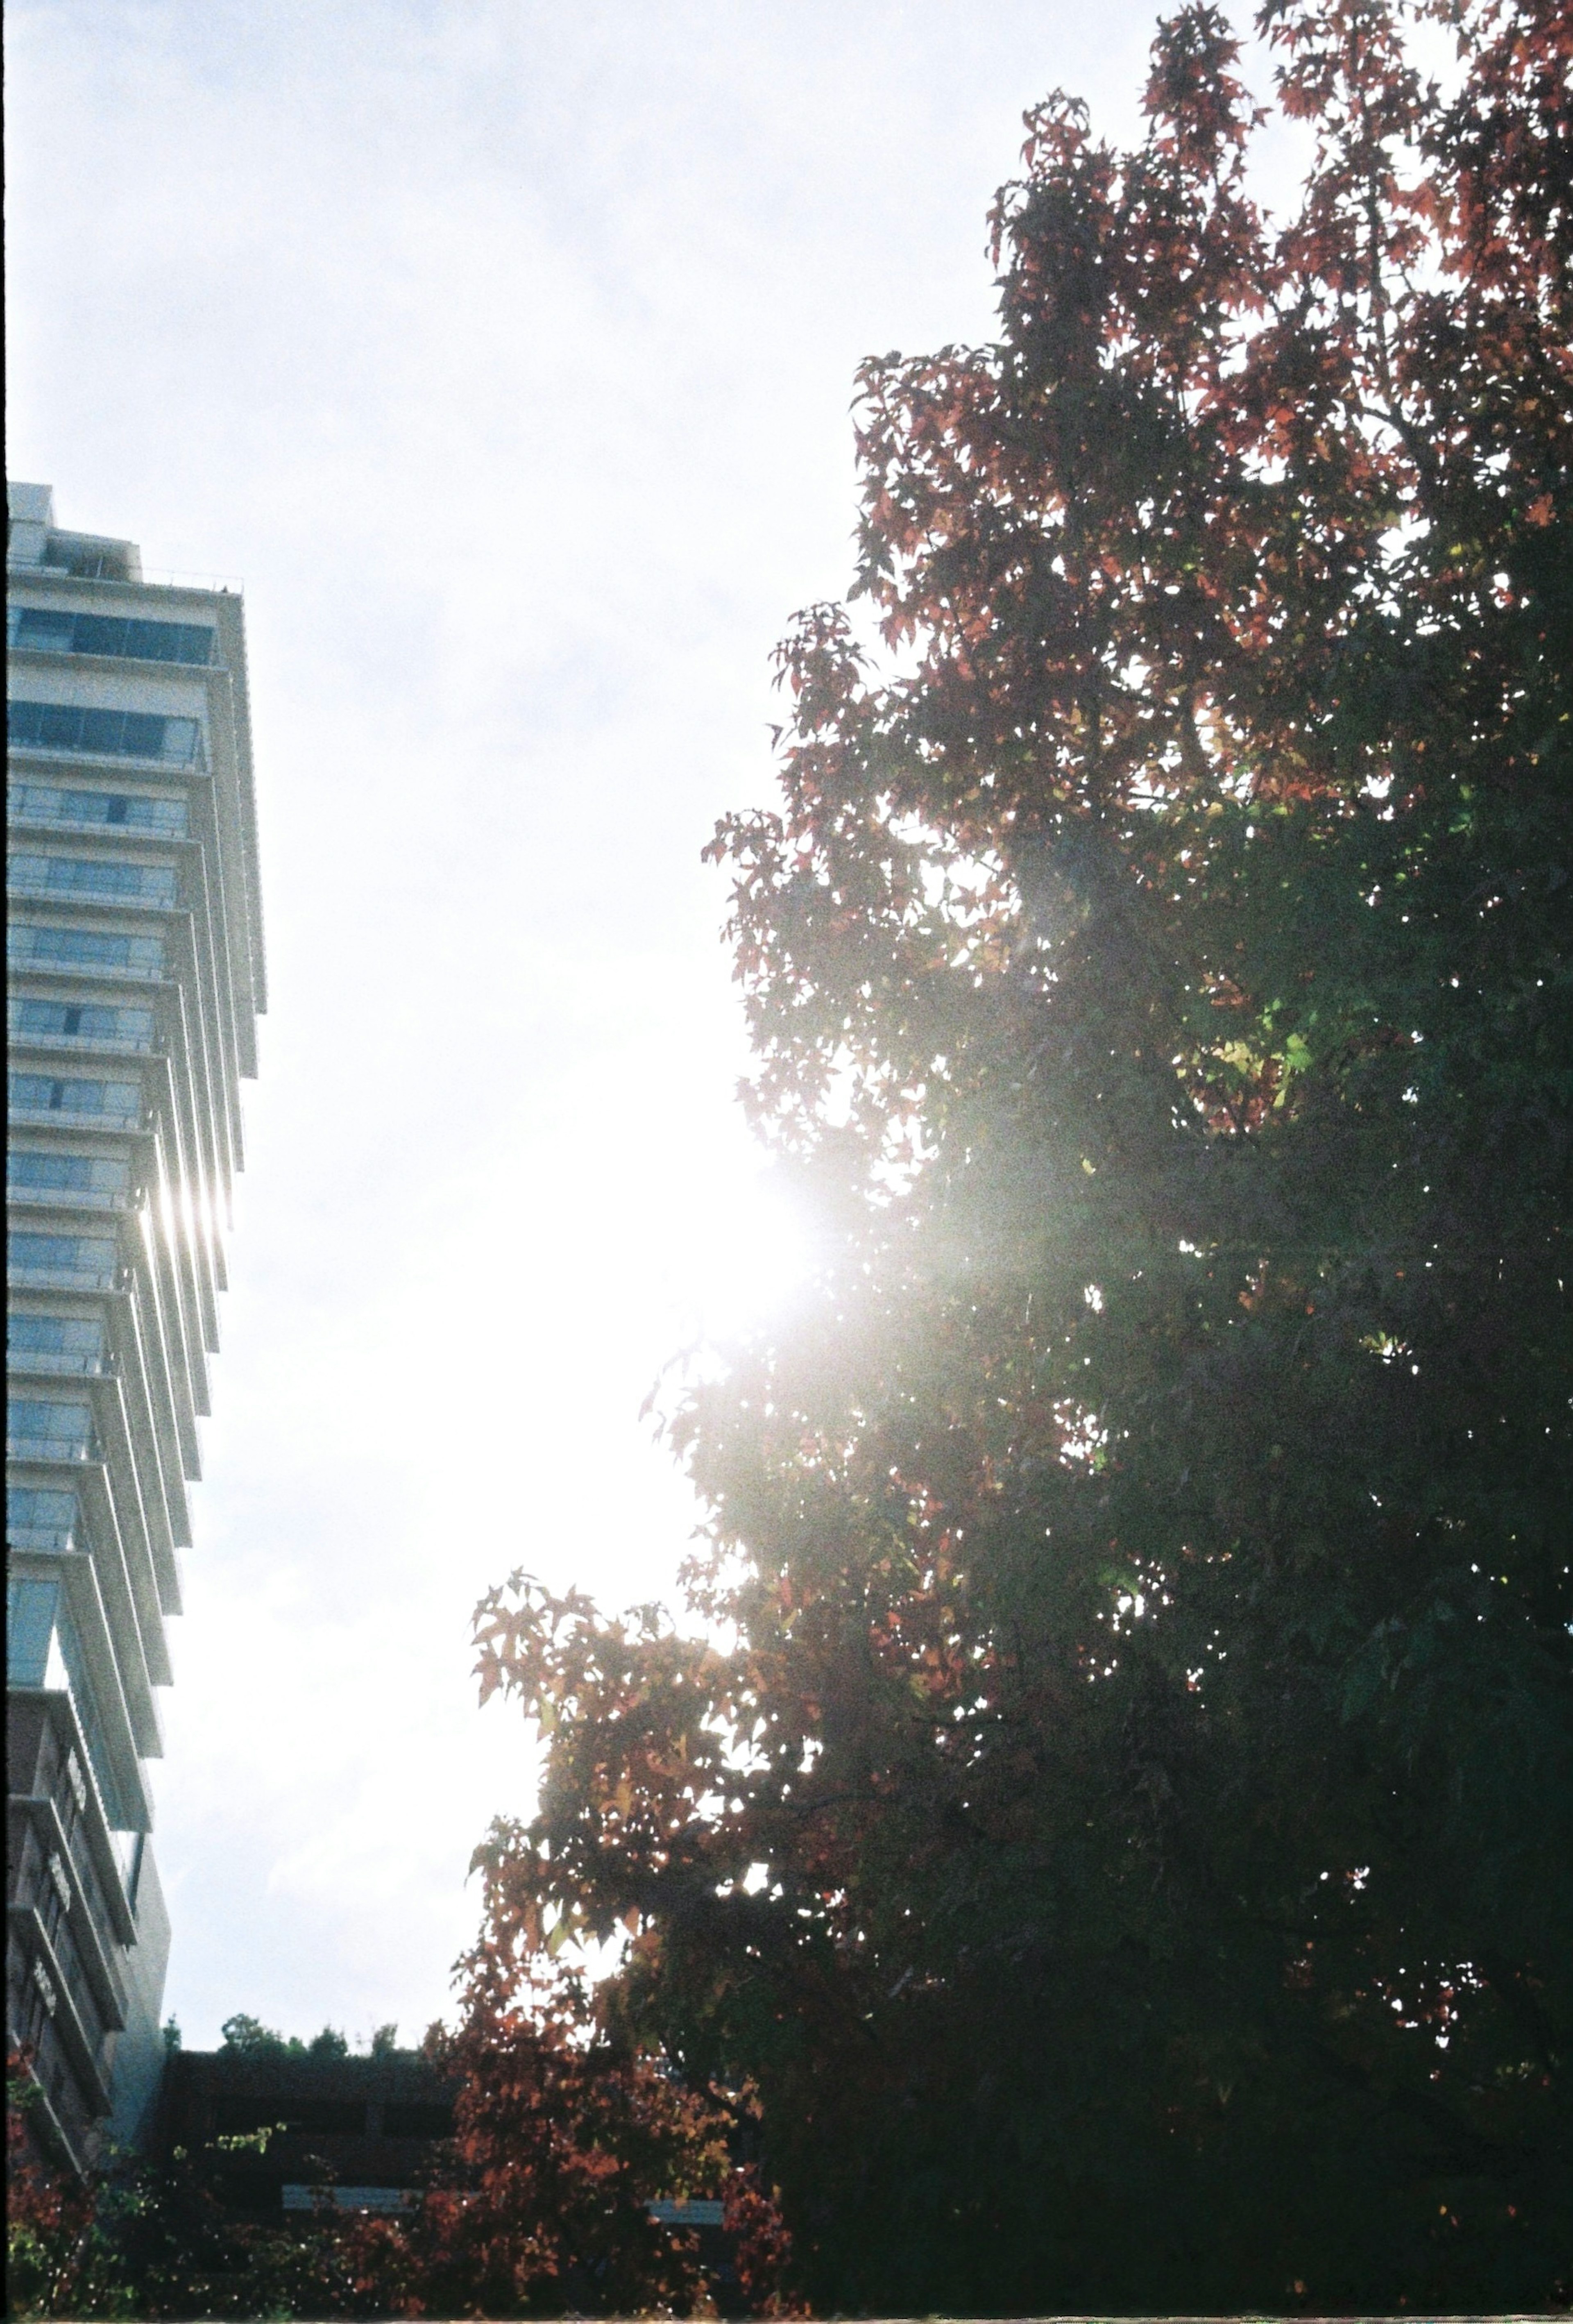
1119, 1812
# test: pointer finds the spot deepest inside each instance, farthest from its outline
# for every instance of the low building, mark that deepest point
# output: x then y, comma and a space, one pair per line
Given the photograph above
363, 2130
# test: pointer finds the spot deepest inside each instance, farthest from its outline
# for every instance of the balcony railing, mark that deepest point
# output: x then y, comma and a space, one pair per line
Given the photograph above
77, 729
33, 890
98, 826
59, 1117
20, 956
111, 1043
113, 637
57, 1447
60, 1278
69, 1198
45, 1537
76, 1363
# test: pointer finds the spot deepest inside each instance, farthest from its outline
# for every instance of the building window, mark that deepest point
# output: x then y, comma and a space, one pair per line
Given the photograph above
37, 1431
103, 734
167, 819
66, 1174
27, 944
46, 1020
100, 877
119, 1102
37, 1517
36, 1624
41, 629
30, 1614
74, 1262
56, 1343
90, 560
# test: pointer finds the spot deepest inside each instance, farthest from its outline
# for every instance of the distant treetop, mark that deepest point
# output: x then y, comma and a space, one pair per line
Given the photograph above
248, 2037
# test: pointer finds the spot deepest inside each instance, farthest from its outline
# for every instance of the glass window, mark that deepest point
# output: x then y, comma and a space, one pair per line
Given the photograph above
53, 1093
42, 628
74, 1343
29, 1612
37, 1518
67, 1174
88, 1260
87, 1021
85, 1703
85, 875
26, 941
88, 559
38, 1431
127, 811
111, 733
38, 1617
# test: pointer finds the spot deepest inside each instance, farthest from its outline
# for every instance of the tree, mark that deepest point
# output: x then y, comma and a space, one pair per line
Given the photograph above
156, 2238
248, 2037
575, 2150
568, 2136
59, 2261
1117, 1810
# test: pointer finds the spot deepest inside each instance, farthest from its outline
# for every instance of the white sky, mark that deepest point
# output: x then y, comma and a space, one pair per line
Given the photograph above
505, 350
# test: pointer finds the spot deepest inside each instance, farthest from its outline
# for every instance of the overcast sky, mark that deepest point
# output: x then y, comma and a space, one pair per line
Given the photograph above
504, 350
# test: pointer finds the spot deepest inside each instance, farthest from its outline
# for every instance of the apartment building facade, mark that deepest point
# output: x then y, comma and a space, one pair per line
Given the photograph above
134, 978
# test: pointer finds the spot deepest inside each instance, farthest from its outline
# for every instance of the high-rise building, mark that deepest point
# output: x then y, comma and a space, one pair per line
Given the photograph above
134, 980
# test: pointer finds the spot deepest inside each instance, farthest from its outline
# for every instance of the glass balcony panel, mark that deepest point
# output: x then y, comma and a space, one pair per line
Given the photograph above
102, 878
56, 1343
42, 1622
31, 1171
166, 819
119, 1102
88, 1021
37, 1431
63, 1262
29, 945
39, 1517
29, 1616
40, 629
83, 730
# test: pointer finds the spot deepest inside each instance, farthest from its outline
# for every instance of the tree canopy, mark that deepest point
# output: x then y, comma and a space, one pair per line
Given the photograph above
1115, 1803
247, 2037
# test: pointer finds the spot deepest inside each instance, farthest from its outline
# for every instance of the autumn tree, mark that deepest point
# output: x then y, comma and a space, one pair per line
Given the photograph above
581, 2178
59, 2260
145, 2236
573, 2147
1115, 1801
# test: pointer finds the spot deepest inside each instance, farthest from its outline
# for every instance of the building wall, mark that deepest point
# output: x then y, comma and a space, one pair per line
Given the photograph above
139, 2053
68, 1925
134, 982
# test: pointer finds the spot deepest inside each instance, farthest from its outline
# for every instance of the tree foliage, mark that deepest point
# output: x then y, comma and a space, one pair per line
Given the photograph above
247, 2037
567, 2135
59, 2261
568, 2138
142, 2237
1116, 1809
